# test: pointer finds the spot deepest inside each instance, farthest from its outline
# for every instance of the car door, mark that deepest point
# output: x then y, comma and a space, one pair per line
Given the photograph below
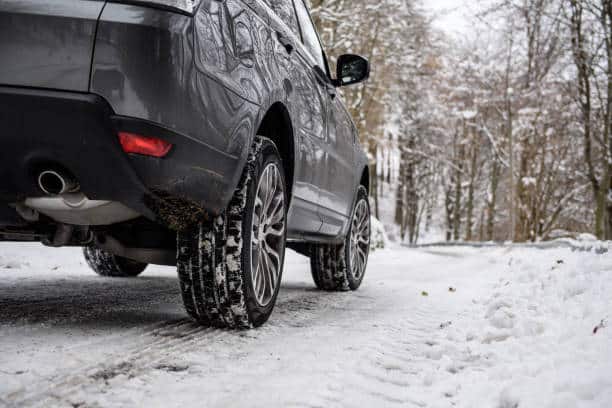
308, 109
338, 186
334, 178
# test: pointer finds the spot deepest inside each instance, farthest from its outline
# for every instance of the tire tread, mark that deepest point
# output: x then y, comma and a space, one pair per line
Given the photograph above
106, 264
329, 263
218, 298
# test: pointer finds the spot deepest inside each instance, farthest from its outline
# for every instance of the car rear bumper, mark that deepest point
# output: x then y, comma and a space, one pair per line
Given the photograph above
77, 132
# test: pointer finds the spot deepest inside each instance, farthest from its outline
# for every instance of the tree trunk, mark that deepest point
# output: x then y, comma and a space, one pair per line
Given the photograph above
609, 231
459, 154
492, 199
584, 91
448, 207
410, 189
469, 224
400, 197
606, 21
389, 167
481, 225
374, 177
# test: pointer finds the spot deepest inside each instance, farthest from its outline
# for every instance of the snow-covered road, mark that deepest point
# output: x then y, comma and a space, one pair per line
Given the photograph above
496, 327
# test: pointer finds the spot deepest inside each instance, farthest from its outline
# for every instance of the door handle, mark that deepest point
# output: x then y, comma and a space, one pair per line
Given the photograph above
285, 42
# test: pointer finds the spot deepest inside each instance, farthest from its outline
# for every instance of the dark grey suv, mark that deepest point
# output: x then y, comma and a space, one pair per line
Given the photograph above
205, 134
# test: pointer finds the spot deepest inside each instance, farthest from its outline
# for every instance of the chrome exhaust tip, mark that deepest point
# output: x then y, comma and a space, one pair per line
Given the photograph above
53, 182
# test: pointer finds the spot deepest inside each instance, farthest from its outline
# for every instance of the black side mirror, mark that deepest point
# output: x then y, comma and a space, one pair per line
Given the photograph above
351, 69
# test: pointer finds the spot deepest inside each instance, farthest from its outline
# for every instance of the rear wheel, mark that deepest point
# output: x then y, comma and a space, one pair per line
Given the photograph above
230, 268
342, 267
106, 264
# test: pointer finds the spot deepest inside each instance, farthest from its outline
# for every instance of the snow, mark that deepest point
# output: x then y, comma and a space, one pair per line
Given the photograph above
501, 326
469, 114
528, 181
454, 16
379, 237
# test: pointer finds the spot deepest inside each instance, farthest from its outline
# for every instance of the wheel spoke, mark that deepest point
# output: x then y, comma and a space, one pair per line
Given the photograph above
276, 232
260, 199
361, 253
261, 279
365, 228
265, 272
273, 255
360, 262
258, 202
362, 217
271, 273
278, 213
256, 272
255, 261
269, 192
353, 257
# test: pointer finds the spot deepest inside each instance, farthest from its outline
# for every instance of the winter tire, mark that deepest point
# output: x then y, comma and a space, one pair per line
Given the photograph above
230, 268
106, 264
342, 267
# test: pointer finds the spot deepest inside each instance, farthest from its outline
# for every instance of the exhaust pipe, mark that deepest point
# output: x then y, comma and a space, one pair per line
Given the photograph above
53, 182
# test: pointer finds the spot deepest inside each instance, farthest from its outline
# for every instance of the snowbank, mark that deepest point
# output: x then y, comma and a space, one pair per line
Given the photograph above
540, 338
379, 239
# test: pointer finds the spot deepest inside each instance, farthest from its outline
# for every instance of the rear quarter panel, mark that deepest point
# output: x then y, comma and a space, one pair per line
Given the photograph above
47, 44
175, 70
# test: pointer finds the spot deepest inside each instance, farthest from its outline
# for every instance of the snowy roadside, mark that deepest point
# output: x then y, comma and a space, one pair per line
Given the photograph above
437, 326
599, 247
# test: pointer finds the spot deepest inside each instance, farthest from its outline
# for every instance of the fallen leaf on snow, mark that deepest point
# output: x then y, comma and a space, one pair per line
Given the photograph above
600, 326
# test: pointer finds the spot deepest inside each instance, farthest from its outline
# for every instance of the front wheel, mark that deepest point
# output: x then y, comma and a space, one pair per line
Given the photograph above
342, 267
230, 267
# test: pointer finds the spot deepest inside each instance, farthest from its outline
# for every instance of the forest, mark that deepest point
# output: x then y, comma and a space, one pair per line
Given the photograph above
504, 135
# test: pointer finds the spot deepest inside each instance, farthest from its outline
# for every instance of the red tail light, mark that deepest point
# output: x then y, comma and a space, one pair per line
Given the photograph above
148, 146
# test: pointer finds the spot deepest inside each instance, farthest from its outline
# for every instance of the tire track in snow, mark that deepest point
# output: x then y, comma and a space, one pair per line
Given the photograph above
158, 345
155, 346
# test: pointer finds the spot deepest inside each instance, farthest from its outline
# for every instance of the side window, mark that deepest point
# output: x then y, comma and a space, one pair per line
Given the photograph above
309, 34
285, 11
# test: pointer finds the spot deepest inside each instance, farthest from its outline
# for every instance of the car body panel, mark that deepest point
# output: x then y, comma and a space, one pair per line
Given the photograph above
307, 108
47, 44
325, 136
336, 192
204, 83
145, 67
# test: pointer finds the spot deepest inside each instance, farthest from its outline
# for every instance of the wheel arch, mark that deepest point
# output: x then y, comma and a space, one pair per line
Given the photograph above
278, 127
365, 178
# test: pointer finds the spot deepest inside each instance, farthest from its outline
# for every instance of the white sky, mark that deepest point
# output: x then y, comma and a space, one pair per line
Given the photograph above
454, 15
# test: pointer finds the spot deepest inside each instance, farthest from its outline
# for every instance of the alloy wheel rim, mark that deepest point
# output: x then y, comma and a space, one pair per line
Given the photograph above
359, 247
267, 234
